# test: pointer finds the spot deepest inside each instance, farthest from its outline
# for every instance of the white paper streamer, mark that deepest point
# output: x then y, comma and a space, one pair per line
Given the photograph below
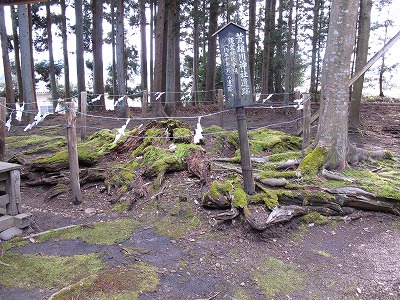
38, 118
198, 136
121, 131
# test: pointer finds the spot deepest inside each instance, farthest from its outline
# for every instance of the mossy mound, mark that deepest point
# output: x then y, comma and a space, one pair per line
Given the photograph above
122, 282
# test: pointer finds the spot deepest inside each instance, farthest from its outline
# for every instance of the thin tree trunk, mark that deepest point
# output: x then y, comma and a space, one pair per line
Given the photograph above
120, 42
65, 50
269, 21
314, 50
288, 64
212, 51
143, 44
196, 37
53, 84
6, 61
114, 59
14, 16
151, 45
80, 61
361, 60
252, 40
97, 45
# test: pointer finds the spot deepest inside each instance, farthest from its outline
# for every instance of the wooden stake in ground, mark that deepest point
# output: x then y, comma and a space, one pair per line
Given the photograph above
73, 152
3, 116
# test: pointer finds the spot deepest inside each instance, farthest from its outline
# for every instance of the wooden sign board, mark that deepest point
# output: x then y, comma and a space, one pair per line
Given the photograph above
235, 66
19, 2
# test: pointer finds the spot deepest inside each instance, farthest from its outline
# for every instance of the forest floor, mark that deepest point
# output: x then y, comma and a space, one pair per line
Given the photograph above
355, 257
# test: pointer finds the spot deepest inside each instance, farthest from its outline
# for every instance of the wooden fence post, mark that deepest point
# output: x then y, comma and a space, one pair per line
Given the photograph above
307, 120
297, 96
3, 117
83, 115
144, 102
73, 152
221, 107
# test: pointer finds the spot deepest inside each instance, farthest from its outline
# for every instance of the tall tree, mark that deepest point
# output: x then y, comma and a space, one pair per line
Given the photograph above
171, 64
269, 20
53, 85
252, 39
80, 61
314, 44
6, 61
332, 132
212, 51
159, 62
143, 45
97, 45
121, 57
26, 63
364, 27
14, 17
289, 57
196, 42
65, 49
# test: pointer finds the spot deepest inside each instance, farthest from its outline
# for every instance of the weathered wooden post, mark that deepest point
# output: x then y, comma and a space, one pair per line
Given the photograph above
3, 117
238, 91
83, 115
73, 152
307, 120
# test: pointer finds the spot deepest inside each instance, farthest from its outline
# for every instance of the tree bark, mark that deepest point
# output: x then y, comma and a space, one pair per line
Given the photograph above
361, 60
26, 63
212, 51
143, 45
52, 73
121, 58
65, 49
333, 124
252, 40
80, 61
6, 61
97, 45
314, 43
269, 21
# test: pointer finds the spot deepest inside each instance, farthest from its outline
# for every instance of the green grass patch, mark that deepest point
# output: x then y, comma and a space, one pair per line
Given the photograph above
29, 271
123, 282
276, 278
101, 233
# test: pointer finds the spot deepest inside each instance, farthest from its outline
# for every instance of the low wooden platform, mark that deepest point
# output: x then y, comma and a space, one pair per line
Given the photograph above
11, 214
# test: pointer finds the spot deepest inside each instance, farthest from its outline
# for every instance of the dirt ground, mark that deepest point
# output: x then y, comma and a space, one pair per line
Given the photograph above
348, 258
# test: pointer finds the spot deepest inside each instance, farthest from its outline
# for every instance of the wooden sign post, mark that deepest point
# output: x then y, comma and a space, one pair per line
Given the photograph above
238, 90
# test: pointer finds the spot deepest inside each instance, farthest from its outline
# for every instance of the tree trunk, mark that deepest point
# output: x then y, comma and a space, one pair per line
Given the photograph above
333, 123
121, 58
26, 63
269, 21
252, 40
80, 61
97, 45
159, 62
196, 38
212, 51
314, 43
143, 44
151, 45
170, 76
114, 59
65, 49
361, 60
6, 61
52, 72
289, 43
278, 57
14, 16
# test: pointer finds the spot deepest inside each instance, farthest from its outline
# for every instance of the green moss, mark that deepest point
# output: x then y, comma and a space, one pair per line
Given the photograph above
178, 221
239, 197
281, 157
233, 139
101, 233
121, 207
313, 162
183, 150
214, 129
182, 135
120, 283
314, 217
277, 174
278, 279
218, 188
267, 196
311, 197
272, 141
122, 175
382, 184
16, 142
30, 271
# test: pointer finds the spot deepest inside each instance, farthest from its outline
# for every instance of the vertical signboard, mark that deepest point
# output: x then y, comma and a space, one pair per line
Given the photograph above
235, 66
238, 91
